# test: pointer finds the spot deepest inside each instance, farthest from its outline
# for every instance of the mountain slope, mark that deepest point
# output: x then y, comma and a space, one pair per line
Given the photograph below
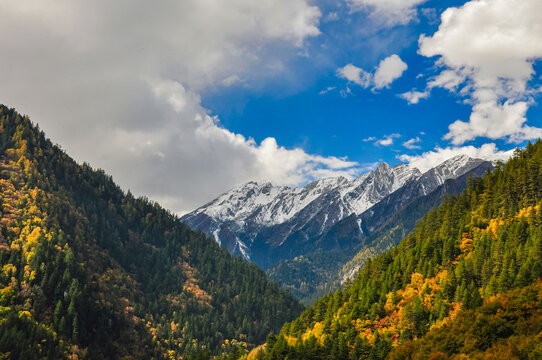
465, 283
313, 275
267, 224
406, 210
90, 271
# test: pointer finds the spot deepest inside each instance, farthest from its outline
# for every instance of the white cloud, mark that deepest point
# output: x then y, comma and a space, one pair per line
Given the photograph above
326, 90
411, 143
414, 97
448, 79
117, 83
391, 12
430, 159
490, 47
356, 75
200, 154
387, 71
387, 140
494, 120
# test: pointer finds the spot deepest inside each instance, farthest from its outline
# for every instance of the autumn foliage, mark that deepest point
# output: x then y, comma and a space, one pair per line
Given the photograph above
89, 271
465, 283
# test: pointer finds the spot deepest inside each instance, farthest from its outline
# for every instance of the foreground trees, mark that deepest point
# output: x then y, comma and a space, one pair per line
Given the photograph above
465, 282
87, 270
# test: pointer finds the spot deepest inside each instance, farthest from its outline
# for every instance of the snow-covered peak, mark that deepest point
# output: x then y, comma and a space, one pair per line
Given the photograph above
239, 216
241, 200
362, 178
383, 168
266, 204
263, 204
455, 163
326, 184
404, 172
452, 168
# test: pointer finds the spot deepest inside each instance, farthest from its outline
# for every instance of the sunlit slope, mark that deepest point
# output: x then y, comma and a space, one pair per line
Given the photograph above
473, 263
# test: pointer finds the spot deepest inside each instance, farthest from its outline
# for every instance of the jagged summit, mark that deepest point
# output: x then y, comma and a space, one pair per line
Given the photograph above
266, 223
276, 204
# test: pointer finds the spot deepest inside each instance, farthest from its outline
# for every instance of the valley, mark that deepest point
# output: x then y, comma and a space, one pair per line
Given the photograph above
90, 271
305, 236
271, 180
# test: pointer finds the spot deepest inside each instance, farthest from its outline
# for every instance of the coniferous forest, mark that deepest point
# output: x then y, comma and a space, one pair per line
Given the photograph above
465, 284
271, 180
91, 272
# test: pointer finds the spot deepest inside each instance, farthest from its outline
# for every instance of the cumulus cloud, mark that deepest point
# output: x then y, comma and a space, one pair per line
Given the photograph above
387, 140
411, 143
356, 75
387, 71
391, 12
430, 159
414, 97
117, 84
488, 48
195, 141
447, 79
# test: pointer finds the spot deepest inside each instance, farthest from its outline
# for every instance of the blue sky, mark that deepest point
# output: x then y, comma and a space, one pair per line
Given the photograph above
307, 106
181, 101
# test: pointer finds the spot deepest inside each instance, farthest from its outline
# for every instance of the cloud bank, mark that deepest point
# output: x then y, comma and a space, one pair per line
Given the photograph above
487, 48
117, 83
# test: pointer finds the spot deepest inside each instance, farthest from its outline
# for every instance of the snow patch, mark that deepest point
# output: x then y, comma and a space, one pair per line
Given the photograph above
216, 236
243, 249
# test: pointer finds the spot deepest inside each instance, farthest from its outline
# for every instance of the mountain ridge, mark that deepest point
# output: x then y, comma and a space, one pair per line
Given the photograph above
90, 271
266, 223
313, 275
466, 283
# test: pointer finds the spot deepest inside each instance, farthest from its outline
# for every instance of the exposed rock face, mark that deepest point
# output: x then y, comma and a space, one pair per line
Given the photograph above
266, 223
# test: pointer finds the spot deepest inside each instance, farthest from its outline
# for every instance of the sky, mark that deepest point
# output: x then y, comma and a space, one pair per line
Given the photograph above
182, 100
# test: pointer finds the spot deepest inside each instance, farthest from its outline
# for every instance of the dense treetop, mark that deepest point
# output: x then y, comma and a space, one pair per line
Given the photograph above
90, 271
464, 283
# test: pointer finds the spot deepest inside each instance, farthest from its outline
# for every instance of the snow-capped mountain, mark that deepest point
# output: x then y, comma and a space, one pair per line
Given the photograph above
266, 205
266, 223
452, 168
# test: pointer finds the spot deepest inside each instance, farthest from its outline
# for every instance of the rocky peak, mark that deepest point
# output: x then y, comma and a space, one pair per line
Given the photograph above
241, 215
383, 169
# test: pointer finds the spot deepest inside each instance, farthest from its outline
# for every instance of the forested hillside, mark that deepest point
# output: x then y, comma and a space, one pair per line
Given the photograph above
89, 271
465, 283
311, 276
